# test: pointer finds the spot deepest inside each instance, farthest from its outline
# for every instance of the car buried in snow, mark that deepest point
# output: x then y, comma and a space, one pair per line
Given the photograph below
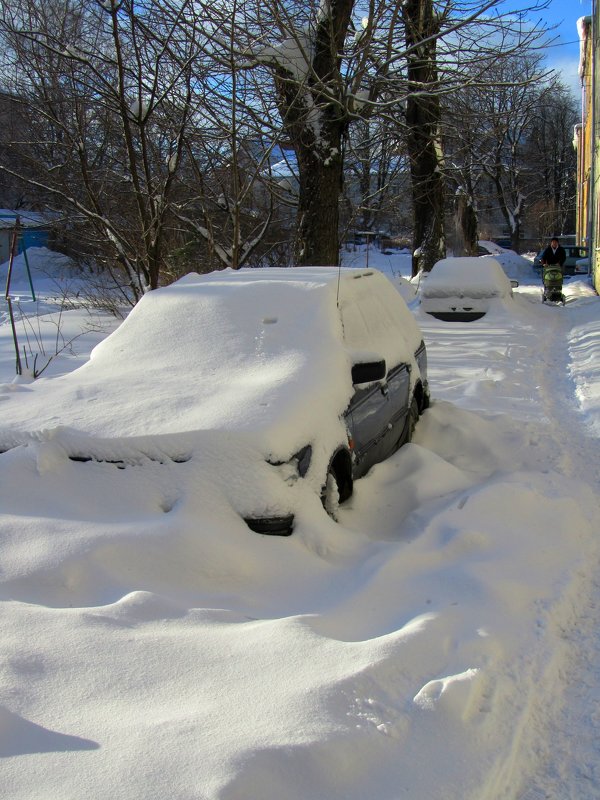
287, 376
464, 289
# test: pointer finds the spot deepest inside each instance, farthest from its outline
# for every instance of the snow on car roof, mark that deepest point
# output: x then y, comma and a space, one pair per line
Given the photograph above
264, 355
471, 275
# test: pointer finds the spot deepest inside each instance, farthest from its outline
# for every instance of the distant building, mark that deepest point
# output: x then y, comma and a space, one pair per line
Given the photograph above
33, 231
586, 141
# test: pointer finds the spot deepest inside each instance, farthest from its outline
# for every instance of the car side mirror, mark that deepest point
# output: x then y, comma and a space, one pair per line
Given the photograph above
514, 284
369, 372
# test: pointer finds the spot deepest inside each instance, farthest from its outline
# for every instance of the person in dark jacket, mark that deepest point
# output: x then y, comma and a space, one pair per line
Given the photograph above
554, 254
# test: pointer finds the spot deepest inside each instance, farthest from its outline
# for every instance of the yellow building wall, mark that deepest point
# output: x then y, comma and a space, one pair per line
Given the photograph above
583, 135
587, 142
594, 145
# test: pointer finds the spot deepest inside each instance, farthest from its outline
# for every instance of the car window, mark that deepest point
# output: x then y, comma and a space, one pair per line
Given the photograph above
575, 250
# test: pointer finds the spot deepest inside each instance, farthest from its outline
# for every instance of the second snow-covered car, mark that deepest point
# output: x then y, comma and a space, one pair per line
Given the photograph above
464, 289
307, 377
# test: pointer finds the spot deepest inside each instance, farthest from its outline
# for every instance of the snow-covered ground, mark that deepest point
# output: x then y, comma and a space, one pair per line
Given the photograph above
440, 641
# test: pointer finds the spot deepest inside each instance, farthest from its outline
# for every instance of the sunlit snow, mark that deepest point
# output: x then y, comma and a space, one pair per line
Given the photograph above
427, 645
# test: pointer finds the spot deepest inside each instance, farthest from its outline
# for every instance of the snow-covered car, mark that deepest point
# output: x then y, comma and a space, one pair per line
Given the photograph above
275, 378
463, 289
574, 254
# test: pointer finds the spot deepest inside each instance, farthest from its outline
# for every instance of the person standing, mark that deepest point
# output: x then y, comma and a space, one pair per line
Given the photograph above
554, 254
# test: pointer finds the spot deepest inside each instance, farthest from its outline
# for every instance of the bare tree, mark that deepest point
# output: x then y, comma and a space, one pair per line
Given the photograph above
307, 64
107, 89
552, 159
155, 124
509, 115
375, 179
461, 53
423, 118
142, 130
461, 124
332, 70
512, 141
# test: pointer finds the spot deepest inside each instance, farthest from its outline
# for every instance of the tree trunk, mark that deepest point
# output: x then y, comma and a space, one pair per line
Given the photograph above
423, 117
515, 236
512, 209
320, 168
315, 119
466, 226
317, 238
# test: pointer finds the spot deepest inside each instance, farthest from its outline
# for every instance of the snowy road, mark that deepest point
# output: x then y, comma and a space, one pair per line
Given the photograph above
555, 755
568, 762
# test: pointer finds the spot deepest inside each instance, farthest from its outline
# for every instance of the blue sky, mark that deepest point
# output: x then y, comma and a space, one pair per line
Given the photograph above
563, 55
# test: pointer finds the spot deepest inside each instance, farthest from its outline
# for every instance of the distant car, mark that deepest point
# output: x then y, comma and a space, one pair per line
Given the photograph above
574, 253
464, 289
309, 375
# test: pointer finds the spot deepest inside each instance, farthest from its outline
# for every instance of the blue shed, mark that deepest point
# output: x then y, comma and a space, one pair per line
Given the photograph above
34, 231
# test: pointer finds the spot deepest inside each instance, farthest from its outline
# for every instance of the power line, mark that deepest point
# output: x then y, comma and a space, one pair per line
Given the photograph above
563, 44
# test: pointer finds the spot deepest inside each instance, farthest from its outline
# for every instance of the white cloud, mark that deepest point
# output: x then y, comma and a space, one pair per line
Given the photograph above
568, 71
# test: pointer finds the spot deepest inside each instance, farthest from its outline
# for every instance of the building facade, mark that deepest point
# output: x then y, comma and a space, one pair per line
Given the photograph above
587, 141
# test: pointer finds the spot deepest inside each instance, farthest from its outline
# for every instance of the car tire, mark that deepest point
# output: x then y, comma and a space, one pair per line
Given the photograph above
413, 418
330, 496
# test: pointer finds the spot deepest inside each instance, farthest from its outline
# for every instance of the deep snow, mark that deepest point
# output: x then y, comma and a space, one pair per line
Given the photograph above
440, 641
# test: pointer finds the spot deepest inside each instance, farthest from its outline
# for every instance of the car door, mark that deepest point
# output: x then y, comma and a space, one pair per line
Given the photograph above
366, 419
398, 385
376, 418
377, 414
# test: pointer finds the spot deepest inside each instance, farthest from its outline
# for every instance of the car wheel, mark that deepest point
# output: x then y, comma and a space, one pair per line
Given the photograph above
330, 496
413, 418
